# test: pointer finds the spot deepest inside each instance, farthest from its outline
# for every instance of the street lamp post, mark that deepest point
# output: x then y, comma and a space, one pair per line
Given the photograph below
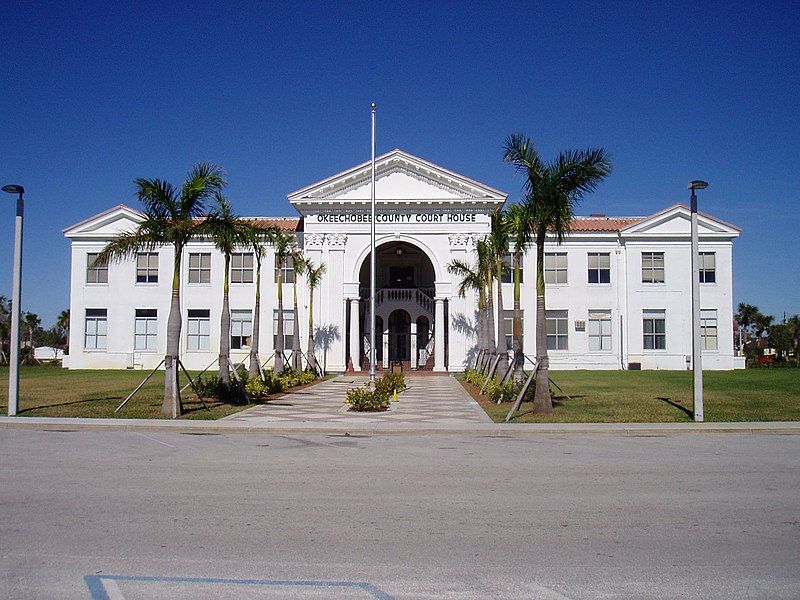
16, 293
697, 350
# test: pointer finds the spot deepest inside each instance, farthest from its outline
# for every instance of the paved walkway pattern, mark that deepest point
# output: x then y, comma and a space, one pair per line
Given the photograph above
428, 400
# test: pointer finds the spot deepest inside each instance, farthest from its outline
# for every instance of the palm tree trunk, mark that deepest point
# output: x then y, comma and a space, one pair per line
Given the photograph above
491, 346
254, 370
225, 329
312, 360
502, 347
296, 361
542, 401
172, 404
279, 342
480, 325
516, 327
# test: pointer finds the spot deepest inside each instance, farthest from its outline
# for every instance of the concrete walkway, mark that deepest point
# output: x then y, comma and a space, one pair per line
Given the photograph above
428, 400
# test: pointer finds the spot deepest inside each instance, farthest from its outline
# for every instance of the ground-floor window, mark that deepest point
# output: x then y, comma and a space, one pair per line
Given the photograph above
198, 329
599, 330
557, 326
288, 328
241, 328
96, 329
654, 328
708, 328
145, 329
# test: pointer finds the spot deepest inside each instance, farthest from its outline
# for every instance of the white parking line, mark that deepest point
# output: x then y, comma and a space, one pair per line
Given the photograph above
112, 589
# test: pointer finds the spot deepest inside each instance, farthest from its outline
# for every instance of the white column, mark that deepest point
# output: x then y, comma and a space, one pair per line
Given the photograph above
438, 343
355, 338
385, 342
414, 354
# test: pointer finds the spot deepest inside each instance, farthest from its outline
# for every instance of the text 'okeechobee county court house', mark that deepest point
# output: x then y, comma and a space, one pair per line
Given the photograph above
618, 288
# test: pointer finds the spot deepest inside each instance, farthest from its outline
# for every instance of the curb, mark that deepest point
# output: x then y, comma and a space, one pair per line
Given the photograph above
65, 424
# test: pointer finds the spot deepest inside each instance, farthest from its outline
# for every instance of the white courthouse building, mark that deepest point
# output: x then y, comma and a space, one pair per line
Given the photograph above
618, 288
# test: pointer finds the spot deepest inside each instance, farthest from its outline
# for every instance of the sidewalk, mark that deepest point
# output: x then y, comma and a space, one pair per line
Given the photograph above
430, 405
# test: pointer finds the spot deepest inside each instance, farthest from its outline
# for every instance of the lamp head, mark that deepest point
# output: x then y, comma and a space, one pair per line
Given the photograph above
13, 189
697, 184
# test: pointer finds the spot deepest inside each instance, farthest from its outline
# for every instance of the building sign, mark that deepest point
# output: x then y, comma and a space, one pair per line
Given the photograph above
352, 217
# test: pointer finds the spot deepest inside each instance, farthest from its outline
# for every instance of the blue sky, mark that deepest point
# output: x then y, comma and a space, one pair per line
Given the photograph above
97, 94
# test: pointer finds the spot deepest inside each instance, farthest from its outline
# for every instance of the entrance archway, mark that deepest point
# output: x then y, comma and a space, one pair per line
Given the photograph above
404, 305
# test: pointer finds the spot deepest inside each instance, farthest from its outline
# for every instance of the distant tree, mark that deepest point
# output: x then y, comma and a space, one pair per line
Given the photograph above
793, 325
780, 338
32, 324
744, 317
62, 325
5, 328
761, 324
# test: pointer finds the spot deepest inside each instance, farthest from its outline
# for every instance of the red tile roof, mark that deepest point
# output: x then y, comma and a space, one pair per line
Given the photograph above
282, 223
603, 223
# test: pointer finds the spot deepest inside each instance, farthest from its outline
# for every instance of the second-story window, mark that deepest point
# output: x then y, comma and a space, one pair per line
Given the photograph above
147, 267
555, 267
96, 271
200, 267
708, 267
241, 268
652, 267
599, 267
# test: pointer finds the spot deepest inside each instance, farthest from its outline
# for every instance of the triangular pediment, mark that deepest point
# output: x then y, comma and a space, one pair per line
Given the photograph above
676, 221
107, 224
399, 177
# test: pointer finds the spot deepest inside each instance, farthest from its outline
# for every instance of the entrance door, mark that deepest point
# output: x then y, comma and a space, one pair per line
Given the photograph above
401, 277
399, 335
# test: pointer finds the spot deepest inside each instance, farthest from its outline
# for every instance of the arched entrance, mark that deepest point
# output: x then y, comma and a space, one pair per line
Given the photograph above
404, 305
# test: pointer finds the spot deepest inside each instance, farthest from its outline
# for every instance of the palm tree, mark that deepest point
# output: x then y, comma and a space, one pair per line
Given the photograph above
257, 237
745, 316
762, 323
552, 190
227, 231
170, 217
486, 267
283, 249
473, 277
314, 278
5, 311
32, 323
299, 267
518, 222
498, 243
62, 325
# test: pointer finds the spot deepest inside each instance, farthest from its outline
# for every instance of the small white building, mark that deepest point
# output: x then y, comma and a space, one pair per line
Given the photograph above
618, 288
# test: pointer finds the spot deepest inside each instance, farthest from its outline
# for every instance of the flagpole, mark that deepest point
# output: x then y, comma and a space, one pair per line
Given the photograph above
372, 260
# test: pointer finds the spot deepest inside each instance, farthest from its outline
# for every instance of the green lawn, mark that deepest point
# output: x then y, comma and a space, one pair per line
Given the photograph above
663, 397
56, 392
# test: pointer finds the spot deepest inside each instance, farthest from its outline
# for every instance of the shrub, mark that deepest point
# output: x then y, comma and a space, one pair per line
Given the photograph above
365, 399
474, 377
211, 387
501, 391
390, 382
